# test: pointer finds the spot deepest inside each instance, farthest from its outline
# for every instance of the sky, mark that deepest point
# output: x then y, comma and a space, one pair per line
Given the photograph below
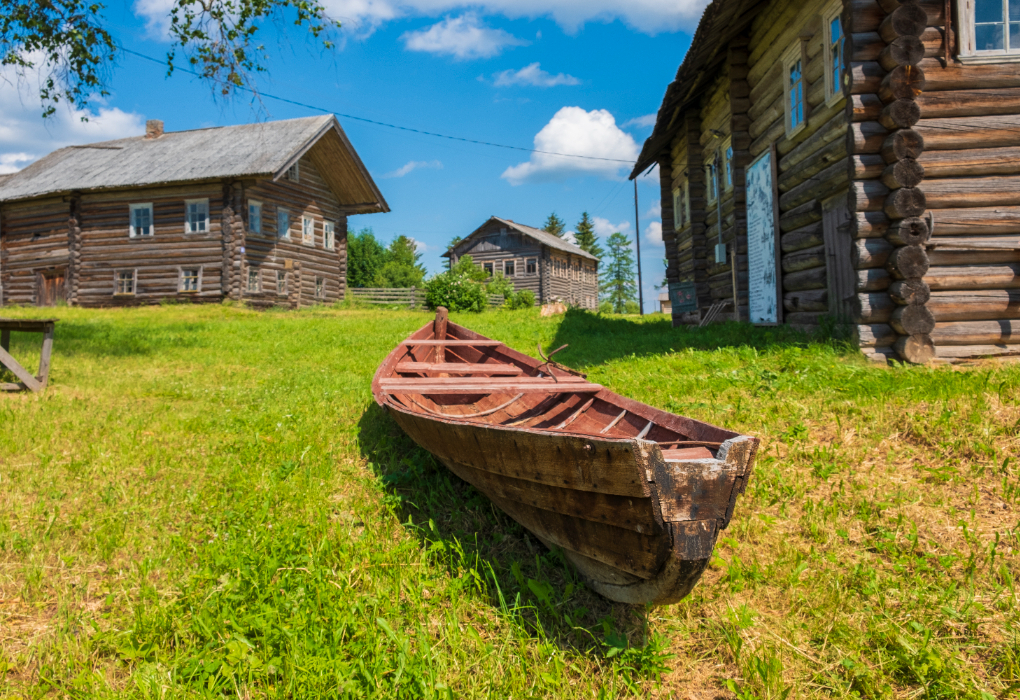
582, 77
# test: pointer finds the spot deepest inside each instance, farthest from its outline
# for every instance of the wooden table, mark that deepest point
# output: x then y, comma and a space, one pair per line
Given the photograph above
26, 325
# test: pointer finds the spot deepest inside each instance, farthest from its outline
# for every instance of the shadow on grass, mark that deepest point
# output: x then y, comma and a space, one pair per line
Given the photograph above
596, 338
529, 585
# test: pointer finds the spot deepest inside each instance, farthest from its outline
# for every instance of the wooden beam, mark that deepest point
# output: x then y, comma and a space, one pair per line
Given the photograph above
459, 368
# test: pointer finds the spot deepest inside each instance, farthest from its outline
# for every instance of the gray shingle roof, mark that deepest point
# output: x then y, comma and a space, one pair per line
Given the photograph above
263, 149
543, 237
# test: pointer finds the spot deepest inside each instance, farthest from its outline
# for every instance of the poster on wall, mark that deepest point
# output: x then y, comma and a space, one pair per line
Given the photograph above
761, 243
682, 297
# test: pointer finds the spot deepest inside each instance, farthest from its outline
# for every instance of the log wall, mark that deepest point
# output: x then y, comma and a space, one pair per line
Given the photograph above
34, 236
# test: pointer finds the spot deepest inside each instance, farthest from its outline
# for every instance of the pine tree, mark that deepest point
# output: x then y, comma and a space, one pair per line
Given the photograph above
402, 265
618, 286
453, 244
584, 235
554, 225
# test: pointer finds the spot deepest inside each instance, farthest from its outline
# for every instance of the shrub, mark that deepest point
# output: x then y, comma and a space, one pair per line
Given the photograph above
456, 292
631, 307
500, 285
466, 267
524, 299
606, 307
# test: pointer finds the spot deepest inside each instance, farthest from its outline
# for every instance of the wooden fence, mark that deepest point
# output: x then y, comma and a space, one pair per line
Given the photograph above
411, 297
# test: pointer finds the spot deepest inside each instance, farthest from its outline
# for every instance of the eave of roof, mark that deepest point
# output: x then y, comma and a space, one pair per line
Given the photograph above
543, 237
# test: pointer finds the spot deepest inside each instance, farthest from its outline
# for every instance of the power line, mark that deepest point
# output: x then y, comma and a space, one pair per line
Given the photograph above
389, 126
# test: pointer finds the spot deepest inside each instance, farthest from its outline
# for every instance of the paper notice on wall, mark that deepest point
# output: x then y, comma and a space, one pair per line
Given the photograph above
761, 243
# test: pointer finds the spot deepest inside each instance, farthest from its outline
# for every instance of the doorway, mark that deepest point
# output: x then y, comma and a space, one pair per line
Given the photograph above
51, 287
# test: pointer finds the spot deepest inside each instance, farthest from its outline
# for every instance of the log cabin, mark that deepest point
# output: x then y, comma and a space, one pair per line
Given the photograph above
256, 213
856, 160
553, 269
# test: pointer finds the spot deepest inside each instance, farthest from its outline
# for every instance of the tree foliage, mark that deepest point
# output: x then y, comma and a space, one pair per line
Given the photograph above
554, 225
365, 255
458, 289
584, 234
401, 265
450, 246
618, 286
68, 43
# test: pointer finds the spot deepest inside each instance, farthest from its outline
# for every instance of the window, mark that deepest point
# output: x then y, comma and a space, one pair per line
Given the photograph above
794, 103
253, 279
727, 166
307, 230
509, 268
990, 31
294, 173
834, 61
255, 217
282, 223
328, 235
681, 210
196, 215
711, 183
281, 282
320, 287
190, 280
488, 268
141, 220
124, 282
531, 266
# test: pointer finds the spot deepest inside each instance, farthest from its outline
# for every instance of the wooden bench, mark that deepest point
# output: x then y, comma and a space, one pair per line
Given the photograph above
460, 367
25, 325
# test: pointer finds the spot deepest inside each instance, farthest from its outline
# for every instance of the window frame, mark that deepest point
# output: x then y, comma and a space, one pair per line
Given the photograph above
531, 266
320, 287
489, 267
253, 274
726, 148
257, 204
180, 280
187, 216
294, 172
711, 183
681, 210
966, 19
134, 283
132, 232
833, 87
512, 264
791, 57
308, 231
281, 282
329, 235
285, 234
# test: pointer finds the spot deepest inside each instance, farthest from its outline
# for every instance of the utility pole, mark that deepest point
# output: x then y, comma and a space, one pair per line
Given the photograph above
637, 239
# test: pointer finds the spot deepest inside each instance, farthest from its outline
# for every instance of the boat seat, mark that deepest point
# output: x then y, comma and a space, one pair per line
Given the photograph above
686, 453
455, 343
460, 367
484, 385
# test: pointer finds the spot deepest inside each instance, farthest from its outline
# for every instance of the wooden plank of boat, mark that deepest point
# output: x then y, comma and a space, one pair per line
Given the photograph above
459, 368
633, 495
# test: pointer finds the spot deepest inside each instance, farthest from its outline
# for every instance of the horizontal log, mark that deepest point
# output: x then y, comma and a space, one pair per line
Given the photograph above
867, 195
866, 107
801, 238
992, 304
902, 83
903, 143
818, 187
808, 168
870, 224
977, 220
970, 352
900, 114
996, 332
971, 277
971, 162
872, 280
949, 258
905, 20
956, 133
805, 279
865, 77
804, 259
875, 335
997, 190
913, 291
863, 15
908, 261
905, 202
957, 76
903, 51
801, 216
918, 349
906, 172
823, 126
866, 253
872, 308
866, 46
909, 231
912, 320
807, 300
869, 166
804, 320
866, 137
969, 103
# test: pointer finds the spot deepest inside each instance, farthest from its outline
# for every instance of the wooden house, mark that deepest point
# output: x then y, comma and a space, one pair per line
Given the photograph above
552, 268
851, 159
255, 213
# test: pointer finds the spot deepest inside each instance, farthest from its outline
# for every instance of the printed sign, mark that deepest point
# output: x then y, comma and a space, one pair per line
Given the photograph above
761, 243
682, 297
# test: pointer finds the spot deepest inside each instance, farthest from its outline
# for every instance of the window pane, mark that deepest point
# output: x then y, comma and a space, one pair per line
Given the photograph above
988, 37
835, 30
255, 218
1014, 12
988, 11
1014, 37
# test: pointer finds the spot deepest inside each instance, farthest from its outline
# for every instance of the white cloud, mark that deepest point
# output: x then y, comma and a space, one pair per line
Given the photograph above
462, 37
641, 122
533, 74
157, 16
655, 210
572, 130
25, 136
420, 247
414, 165
604, 227
653, 232
570, 237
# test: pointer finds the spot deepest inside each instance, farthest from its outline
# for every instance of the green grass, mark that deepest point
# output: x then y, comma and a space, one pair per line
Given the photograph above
205, 502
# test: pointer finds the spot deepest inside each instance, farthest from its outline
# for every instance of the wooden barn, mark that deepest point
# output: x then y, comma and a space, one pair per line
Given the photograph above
851, 159
256, 213
552, 268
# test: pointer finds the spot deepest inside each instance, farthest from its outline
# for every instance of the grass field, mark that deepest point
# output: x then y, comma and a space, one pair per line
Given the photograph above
205, 502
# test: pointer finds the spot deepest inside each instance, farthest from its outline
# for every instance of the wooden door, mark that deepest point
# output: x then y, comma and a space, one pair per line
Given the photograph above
839, 269
51, 287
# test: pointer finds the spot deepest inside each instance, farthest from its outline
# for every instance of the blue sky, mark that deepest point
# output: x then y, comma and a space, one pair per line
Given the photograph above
570, 76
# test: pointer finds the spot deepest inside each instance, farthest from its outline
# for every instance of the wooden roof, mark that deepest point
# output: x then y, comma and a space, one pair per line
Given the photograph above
543, 237
264, 150
720, 23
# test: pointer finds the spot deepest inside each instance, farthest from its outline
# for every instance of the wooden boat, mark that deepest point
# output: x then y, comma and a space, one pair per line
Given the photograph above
634, 496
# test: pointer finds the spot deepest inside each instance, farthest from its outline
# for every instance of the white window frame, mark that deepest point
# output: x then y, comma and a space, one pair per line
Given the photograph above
329, 235
253, 273
965, 24
320, 287
726, 149
116, 283
833, 87
294, 172
285, 233
681, 206
711, 182
132, 231
203, 205
308, 231
180, 280
513, 265
793, 56
281, 277
255, 215
489, 266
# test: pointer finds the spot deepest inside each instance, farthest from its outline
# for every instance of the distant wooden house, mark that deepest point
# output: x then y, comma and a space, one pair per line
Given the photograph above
256, 213
856, 159
664, 303
531, 258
